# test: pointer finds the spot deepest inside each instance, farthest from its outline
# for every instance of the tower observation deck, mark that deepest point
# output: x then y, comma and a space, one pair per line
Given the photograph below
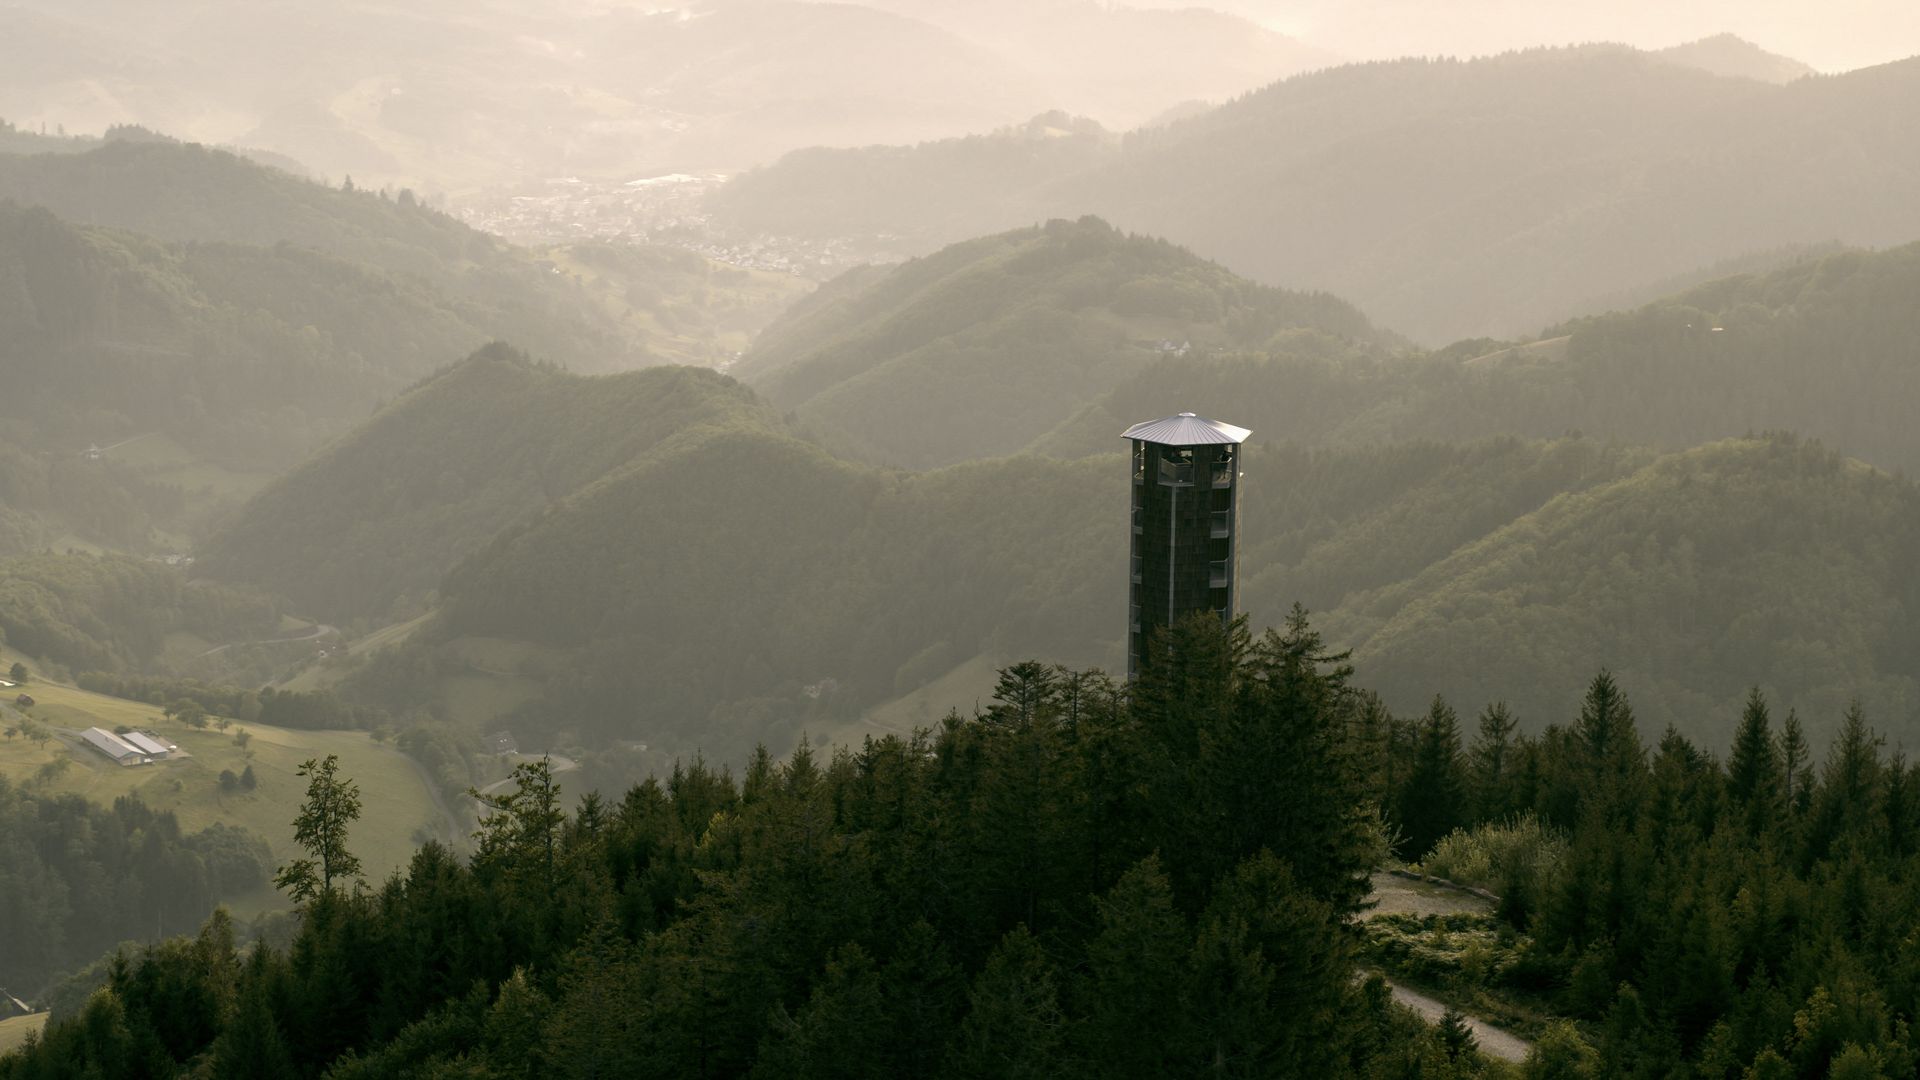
1185, 523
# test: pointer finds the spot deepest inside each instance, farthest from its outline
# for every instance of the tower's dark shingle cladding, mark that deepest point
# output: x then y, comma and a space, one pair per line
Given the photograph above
1185, 523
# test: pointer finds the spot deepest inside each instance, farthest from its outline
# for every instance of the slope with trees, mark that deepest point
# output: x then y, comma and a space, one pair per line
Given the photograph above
1822, 347
736, 583
976, 350
186, 193
388, 509
114, 612
984, 901
1086, 879
77, 879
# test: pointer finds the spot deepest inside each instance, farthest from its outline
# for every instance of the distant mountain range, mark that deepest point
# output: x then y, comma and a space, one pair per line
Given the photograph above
1447, 199
444, 96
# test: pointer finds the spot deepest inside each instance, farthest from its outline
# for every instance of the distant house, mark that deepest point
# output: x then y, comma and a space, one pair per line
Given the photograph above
117, 749
502, 742
148, 744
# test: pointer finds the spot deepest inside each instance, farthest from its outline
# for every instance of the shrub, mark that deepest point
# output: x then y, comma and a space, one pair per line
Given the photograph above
1521, 853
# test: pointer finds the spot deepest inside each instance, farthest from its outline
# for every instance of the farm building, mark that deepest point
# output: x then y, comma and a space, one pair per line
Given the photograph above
149, 744
120, 750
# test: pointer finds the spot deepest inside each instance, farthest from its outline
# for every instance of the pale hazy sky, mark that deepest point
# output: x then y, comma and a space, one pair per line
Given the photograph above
1832, 35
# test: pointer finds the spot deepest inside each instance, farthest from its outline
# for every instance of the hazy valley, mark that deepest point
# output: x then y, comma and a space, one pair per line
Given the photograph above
677, 481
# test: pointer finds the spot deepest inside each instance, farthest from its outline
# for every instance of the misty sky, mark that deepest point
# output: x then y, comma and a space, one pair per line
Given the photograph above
1832, 35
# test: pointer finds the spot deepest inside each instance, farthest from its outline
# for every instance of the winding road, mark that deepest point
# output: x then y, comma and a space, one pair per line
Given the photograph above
317, 630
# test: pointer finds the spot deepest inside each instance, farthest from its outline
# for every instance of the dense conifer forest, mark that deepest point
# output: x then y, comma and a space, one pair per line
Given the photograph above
1085, 879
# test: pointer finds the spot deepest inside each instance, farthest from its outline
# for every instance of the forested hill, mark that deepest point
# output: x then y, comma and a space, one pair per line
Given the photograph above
976, 350
736, 584
1726, 54
179, 192
944, 190
1747, 562
245, 354
1454, 199
1823, 347
1079, 881
389, 508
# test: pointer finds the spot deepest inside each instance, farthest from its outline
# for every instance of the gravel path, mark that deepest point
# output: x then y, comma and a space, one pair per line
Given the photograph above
1393, 895
1493, 1041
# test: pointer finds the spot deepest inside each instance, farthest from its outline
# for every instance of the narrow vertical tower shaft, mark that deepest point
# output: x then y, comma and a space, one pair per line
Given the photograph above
1186, 483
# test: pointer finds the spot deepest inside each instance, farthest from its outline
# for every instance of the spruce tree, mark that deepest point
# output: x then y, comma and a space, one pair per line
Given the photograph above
1490, 764
1794, 757
1754, 780
1433, 801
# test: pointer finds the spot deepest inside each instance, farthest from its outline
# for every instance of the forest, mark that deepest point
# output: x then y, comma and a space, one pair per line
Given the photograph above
113, 612
1081, 878
78, 879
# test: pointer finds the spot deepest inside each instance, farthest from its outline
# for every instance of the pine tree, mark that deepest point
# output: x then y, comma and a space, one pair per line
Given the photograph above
521, 827
1490, 764
1136, 965
841, 1033
1793, 761
1610, 761
1754, 780
1455, 1036
1432, 803
1014, 1029
251, 1044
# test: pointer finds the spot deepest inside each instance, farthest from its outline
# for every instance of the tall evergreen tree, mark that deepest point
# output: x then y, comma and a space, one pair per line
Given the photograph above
1014, 1029
1794, 756
1433, 801
1491, 765
1754, 779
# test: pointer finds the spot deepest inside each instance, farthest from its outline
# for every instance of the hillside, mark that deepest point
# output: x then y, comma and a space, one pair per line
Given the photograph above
787, 590
116, 613
149, 386
184, 193
1455, 199
390, 507
1822, 347
1763, 562
98, 854
933, 192
1734, 57
978, 349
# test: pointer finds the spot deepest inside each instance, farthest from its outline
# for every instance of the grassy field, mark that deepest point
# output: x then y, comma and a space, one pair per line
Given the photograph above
13, 1032
396, 806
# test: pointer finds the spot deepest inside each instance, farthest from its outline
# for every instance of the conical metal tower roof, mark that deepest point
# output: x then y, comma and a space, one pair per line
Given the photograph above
1186, 429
